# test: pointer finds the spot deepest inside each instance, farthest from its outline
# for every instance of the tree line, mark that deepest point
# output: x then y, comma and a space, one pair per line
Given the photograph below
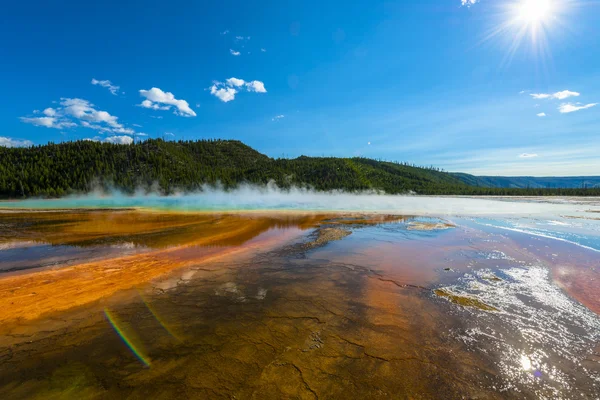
55, 170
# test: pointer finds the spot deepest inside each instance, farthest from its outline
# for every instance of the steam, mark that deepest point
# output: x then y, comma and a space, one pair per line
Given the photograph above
271, 197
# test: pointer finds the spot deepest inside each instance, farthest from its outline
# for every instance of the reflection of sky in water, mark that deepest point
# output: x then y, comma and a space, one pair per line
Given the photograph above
581, 232
539, 338
16, 256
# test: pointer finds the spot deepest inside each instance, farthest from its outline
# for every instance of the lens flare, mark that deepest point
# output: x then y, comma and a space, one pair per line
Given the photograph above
534, 22
159, 318
118, 327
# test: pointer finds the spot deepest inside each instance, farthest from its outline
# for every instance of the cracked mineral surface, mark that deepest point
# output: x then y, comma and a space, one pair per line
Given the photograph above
136, 304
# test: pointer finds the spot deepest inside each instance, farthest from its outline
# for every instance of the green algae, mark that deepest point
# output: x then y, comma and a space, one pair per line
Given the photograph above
492, 278
464, 301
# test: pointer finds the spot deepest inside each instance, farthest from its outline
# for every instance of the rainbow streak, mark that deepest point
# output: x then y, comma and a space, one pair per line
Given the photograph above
113, 321
159, 319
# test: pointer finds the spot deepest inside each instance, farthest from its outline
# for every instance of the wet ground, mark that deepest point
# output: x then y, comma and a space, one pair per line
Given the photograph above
134, 304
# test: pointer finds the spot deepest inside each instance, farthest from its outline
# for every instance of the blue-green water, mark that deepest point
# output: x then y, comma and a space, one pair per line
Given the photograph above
251, 198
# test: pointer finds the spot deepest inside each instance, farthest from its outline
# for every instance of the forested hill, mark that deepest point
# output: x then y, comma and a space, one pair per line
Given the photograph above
77, 167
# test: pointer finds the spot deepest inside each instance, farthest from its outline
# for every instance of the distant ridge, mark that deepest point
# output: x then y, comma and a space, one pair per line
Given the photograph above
156, 165
554, 182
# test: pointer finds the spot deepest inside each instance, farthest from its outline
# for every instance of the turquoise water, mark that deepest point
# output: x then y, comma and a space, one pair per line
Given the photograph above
252, 198
563, 220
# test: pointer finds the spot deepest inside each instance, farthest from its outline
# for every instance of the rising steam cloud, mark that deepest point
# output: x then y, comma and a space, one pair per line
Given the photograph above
271, 197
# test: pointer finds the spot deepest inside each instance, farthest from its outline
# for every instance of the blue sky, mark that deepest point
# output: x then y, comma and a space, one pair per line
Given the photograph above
464, 87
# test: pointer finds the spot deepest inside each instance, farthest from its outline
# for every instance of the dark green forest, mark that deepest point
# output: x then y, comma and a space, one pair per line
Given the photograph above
54, 170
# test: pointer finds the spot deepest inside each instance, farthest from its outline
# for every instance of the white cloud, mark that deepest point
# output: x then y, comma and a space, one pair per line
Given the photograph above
141, 134
155, 97
114, 139
73, 110
225, 32
169, 134
541, 114
107, 84
468, 3
558, 95
223, 94
570, 107
528, 155
119, 140
84, 110
239, 37
235, 82
277, 117
9, 142
126, 131
154, 106
48, 122
226, 91
234, 53
136, 125
100, 128
256, 86
49, 112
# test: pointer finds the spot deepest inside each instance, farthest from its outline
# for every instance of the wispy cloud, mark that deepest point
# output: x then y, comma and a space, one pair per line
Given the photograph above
558, 95
234, 53
468, 3
73, 112
156, 99
85, 111
226, 91
225, 32
263, 50
277, 117
528, 155
542, 114
114, 89
9, 142
570, 107
48, 122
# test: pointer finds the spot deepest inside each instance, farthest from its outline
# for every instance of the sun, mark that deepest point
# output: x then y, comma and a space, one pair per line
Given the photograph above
534, 11
534, 24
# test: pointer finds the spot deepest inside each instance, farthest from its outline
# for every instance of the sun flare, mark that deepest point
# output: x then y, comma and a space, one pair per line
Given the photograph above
533, 22
534, 11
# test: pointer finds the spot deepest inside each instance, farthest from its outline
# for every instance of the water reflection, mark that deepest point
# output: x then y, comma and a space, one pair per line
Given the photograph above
291, 306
